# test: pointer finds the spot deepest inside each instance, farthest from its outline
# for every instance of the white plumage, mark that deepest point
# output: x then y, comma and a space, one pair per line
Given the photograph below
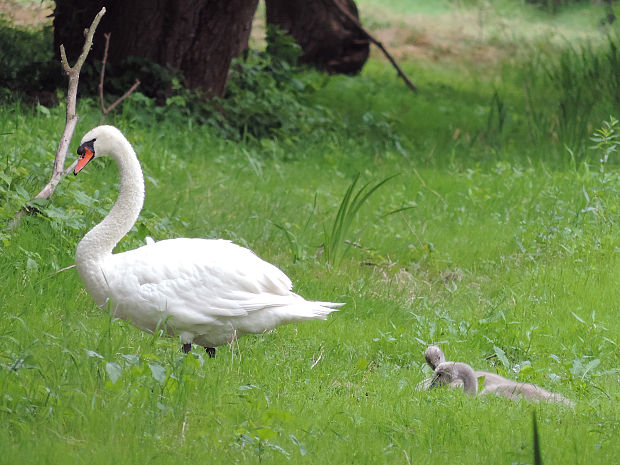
205, 291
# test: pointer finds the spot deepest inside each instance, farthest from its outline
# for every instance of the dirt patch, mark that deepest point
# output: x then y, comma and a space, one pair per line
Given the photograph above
32, 13
456, 37
482, 36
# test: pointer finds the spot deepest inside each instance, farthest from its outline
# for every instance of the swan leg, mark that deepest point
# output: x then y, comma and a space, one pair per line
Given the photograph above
210, 350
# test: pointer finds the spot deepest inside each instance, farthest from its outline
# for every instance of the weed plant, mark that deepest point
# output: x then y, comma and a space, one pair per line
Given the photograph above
583, 84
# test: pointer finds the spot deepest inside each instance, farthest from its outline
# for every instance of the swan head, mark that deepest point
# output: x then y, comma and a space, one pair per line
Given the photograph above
434, 356
448, 372
98, 142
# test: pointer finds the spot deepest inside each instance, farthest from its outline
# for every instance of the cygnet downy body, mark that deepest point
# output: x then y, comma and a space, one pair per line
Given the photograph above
446, 373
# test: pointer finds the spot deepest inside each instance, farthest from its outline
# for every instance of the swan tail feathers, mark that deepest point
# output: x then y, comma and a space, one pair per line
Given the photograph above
310, 310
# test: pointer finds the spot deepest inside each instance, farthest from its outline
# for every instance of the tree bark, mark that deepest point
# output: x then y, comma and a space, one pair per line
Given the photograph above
198, 37
328, 39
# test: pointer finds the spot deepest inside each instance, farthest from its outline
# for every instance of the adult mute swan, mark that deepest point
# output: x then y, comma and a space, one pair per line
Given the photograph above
492, 383
205, 291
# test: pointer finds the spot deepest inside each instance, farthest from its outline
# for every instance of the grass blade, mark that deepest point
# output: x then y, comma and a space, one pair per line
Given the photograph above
537, 455
349, 207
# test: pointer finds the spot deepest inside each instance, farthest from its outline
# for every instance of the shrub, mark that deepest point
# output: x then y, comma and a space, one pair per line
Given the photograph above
26, 64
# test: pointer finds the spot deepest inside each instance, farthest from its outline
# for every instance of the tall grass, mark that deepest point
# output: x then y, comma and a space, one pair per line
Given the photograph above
582, 87
351, 203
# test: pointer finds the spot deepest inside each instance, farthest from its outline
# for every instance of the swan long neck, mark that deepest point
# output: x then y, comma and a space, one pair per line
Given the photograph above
100, 241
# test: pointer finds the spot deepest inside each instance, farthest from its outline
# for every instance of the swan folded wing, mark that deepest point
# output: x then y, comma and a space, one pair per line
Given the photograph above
199, 279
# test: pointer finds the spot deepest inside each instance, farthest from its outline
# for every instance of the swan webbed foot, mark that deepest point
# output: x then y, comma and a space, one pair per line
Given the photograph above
187, 348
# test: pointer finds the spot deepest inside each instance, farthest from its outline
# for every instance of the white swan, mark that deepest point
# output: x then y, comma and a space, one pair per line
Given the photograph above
205, 291
492, 383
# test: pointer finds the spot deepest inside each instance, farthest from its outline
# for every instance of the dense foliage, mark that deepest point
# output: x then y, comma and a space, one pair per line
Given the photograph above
26, 64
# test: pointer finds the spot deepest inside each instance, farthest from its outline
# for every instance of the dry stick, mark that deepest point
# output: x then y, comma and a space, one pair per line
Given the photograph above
72, 118
63, 145
65, 268
318, 359
432, 190
183, 426
102, 74
104, 110
357, 24
407, 457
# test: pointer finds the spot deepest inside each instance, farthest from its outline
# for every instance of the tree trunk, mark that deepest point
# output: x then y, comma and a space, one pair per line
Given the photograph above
197, 37
328, 39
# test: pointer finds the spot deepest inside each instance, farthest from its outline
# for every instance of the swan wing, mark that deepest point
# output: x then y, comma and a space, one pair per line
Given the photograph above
196, 279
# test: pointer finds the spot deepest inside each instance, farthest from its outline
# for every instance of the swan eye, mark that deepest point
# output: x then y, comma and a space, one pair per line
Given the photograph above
86, 145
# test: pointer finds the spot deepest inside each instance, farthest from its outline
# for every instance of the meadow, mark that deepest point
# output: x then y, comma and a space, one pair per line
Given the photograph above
495, 235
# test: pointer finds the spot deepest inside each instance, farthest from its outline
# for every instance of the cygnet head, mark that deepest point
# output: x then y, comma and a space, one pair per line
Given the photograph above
448, 372
434, 356
98, 142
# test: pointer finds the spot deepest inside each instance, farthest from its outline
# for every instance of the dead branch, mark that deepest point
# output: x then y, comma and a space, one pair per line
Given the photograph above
66, 268
104, 110
357, 24
72, 118
102, 74
318, 359
58, 171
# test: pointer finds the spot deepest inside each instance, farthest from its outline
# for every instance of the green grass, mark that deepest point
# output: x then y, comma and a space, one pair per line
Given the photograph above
505, 252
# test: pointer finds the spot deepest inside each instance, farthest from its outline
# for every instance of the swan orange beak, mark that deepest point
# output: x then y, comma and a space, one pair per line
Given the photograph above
86, 154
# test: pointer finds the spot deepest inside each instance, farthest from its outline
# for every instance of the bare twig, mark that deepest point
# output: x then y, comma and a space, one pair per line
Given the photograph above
102, 74
407, 457
359, 26
122, 97
372, 39
72, 118
65, 268
58, 171
432, 190
104, 110
316, 362
183, 426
